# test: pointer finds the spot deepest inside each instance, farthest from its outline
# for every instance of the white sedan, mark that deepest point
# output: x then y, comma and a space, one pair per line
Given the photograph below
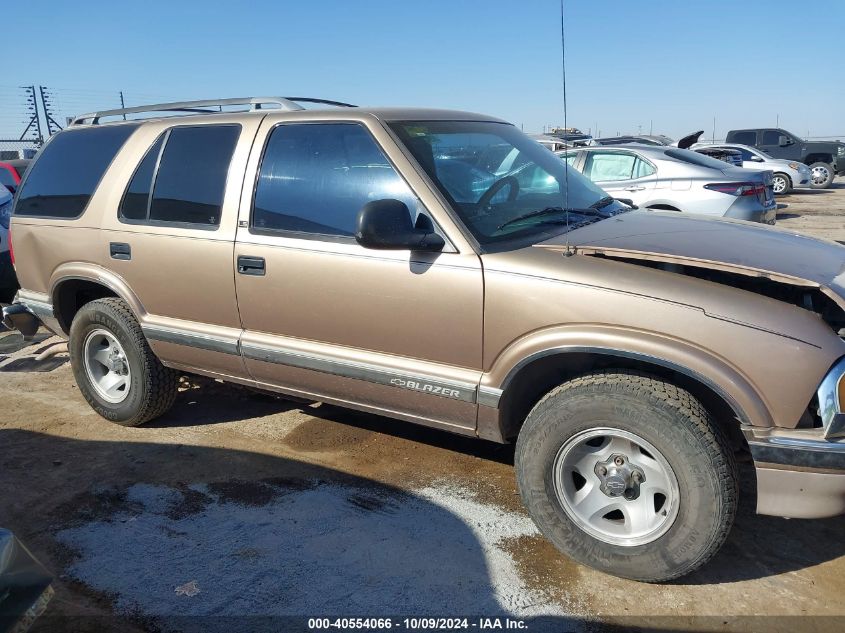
788, 174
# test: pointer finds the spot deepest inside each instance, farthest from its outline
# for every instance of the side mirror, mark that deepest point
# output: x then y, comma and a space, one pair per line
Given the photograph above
757, 159
783, 141
386, 225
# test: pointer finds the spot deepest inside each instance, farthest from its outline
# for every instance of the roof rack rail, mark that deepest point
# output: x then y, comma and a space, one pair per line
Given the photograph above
206, 106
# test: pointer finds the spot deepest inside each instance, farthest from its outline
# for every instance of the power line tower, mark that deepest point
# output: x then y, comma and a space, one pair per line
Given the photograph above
52, 126
34, 125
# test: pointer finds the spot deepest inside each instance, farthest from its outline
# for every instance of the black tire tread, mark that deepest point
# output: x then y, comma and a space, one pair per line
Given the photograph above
647, 386
162, 382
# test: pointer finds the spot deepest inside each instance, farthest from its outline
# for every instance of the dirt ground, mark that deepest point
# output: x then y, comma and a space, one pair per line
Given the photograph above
237, 504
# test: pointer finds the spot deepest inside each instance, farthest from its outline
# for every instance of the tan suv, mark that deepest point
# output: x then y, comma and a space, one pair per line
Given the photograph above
442, 268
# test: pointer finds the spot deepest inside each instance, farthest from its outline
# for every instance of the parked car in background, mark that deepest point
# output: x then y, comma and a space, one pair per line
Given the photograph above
729, 156
12, 172
826, 159
673, 179
8, 280
552, 143
788, 174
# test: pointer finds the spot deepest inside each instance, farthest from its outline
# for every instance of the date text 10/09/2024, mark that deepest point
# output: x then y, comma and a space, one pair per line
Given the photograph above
416, 624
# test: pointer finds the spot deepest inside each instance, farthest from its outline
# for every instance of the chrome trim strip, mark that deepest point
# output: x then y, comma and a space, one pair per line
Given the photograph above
453, 389
191, 339
829, 404
489, 396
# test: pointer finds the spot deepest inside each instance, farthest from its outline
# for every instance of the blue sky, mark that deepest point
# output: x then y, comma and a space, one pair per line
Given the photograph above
676, 64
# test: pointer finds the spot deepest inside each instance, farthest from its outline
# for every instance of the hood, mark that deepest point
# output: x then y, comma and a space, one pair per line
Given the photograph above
717, 244
689, 140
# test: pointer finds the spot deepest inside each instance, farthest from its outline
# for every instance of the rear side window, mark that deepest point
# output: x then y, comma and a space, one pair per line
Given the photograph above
745, 138
65, 176
182, 177
315, 178
607, 167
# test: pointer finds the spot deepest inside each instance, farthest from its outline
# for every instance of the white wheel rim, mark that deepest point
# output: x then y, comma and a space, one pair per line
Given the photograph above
779, 184
106, 366
640, 513
820, 175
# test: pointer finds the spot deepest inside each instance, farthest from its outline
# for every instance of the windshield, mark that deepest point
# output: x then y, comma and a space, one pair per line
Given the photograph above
502, 184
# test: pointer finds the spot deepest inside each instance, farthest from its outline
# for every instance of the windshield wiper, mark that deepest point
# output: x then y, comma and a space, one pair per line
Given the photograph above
601, 204
591, 211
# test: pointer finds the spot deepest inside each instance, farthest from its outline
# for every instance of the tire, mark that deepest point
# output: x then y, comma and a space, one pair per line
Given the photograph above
148, 388
821, 175
695, 517
782, 184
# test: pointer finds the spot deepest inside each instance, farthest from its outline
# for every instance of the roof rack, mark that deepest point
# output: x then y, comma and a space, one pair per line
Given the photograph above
206, 107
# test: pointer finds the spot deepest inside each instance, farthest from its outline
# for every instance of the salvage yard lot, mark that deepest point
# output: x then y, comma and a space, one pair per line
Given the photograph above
236, 503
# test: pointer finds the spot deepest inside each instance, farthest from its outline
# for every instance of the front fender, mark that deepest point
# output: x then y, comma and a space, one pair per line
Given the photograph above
682, 356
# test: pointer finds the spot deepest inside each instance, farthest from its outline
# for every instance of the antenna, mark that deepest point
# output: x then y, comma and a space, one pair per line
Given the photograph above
567, 252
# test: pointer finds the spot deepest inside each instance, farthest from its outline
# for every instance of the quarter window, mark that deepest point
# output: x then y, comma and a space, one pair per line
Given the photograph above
70, 168
136, 200
315, 177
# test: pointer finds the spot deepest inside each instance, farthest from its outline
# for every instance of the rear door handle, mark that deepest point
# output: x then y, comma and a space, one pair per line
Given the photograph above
251, 265
120, 250
634, 188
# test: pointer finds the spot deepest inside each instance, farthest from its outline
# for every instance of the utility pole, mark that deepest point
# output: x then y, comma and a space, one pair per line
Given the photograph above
52, 126
713, 139
777, 120
34, 118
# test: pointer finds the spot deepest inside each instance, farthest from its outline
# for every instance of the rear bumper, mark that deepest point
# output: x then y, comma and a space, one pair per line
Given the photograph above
753, 213
799, 473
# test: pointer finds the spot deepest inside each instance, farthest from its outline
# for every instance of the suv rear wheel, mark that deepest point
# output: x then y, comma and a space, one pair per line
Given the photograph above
116, 370
626, 473
822, 175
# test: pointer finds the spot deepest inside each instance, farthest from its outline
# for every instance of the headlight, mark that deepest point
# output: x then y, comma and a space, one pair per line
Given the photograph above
793, 165
831, 396
5, 213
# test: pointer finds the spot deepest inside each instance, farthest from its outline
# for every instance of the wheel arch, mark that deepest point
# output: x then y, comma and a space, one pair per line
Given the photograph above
536, 374
818, 158
74, 285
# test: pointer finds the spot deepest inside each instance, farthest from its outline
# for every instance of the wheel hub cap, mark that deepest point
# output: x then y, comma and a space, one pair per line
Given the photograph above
616, 486
619, 477
106, 366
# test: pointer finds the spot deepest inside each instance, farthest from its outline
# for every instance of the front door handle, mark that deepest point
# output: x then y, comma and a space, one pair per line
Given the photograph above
634, 188
120, 250
251, 265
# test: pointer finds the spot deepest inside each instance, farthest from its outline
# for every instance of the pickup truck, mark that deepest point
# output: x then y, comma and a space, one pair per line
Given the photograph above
825, 158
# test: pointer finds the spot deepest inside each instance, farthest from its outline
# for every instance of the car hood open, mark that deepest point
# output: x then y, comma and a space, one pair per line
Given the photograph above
717, 244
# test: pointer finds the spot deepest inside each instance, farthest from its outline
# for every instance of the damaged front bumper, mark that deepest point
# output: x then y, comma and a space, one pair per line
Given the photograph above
801, 472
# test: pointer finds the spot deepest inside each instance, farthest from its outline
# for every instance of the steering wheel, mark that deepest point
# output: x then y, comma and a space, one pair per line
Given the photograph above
496, 187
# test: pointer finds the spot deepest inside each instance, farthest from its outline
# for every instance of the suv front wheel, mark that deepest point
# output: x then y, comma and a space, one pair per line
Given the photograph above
114, 367
626, 473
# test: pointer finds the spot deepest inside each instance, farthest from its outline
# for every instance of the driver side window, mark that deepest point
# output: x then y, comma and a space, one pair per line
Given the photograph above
315, 177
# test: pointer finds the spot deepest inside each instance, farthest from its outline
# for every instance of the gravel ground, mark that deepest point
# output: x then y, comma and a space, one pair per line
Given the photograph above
236, 503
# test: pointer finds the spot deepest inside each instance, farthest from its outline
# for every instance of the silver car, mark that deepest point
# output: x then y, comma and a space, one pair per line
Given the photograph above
672, 179
788, 174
